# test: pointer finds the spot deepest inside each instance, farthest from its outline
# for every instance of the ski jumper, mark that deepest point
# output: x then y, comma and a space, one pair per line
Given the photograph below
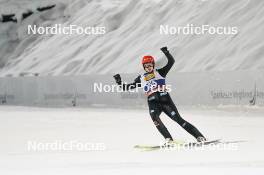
159, 99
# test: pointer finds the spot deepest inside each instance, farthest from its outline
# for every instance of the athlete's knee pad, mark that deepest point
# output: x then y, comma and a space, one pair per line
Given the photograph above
176, 117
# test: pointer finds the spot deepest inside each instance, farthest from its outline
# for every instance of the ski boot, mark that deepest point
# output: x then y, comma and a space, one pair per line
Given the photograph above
201, 139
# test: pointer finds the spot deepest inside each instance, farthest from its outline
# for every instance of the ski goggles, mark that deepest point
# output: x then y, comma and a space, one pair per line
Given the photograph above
147, 65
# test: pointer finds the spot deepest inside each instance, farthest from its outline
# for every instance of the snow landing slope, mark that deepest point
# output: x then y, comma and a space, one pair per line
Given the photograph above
133, 30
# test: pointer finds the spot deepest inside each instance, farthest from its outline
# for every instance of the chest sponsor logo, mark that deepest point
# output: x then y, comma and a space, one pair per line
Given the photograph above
149, 77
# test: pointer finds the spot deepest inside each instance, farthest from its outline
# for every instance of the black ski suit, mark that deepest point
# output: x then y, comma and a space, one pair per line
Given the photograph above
161, 102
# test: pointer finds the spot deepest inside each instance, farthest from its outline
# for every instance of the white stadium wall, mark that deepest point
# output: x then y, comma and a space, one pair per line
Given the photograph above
210, 89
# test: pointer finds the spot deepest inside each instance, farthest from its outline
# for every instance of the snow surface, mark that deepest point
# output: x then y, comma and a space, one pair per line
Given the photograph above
120, 130
133, 31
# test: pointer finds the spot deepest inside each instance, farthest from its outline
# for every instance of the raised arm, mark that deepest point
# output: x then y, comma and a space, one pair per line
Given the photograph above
125, 87
164, 71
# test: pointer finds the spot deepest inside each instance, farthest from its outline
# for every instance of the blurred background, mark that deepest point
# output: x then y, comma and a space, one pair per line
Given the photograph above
209, 69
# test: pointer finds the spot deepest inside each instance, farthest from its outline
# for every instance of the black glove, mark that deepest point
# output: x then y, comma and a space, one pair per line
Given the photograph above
118, 78
164, 49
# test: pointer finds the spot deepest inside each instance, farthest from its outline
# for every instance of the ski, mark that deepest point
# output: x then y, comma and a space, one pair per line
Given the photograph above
176, 144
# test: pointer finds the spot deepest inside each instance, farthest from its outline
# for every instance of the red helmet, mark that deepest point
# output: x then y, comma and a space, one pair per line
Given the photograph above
148, 59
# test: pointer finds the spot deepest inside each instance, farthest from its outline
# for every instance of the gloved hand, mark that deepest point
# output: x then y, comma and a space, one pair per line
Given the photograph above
164, 49
117, 78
